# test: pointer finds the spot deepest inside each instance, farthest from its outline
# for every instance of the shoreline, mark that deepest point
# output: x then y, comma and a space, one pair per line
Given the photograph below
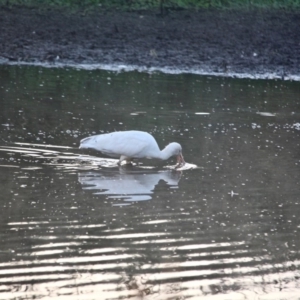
165, 70
231, 43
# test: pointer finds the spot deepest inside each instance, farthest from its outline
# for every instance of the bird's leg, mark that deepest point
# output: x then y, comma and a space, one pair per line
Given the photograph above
121, 159
128, 160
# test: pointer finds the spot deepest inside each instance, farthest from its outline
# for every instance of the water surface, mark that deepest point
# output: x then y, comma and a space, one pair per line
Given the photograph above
76, 226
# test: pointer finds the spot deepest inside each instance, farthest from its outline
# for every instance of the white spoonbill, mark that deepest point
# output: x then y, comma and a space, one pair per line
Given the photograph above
128, 145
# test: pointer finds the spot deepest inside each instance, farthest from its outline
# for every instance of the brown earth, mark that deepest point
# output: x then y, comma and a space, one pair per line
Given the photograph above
255, 41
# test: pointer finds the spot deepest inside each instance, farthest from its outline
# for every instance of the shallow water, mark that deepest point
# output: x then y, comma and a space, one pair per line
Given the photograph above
76, 226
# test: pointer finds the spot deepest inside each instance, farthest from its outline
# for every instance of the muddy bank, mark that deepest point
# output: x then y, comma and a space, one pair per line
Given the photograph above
253, 42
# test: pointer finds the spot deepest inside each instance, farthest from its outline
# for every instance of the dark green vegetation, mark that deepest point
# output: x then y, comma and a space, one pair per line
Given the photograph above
162, 5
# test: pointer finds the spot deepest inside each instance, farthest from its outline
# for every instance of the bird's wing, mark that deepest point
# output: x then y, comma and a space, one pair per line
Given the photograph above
130, 144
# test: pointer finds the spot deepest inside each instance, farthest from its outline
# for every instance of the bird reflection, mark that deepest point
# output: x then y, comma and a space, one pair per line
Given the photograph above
129, 184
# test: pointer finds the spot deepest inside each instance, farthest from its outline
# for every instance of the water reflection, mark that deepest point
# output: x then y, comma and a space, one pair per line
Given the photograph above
127, 183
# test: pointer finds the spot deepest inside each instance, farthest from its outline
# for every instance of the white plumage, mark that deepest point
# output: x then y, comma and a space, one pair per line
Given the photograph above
128, 145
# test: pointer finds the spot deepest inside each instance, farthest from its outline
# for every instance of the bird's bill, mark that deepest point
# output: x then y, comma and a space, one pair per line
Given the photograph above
180, 160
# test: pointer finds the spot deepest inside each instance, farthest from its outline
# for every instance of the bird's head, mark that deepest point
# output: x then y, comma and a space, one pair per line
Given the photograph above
176, 150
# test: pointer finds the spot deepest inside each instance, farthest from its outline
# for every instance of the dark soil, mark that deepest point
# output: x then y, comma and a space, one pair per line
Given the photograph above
255, 42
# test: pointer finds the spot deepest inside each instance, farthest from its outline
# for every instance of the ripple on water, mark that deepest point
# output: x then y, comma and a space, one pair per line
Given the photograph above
77, 226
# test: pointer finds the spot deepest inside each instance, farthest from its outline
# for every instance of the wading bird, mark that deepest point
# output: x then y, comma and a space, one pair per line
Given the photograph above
128, 145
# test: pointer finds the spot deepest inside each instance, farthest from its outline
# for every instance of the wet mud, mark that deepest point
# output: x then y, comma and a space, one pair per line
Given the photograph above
254, 42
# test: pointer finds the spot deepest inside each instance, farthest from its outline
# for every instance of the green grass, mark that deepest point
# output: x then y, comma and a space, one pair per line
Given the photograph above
156, 4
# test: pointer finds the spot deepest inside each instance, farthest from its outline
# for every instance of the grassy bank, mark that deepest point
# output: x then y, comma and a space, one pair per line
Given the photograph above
157, 4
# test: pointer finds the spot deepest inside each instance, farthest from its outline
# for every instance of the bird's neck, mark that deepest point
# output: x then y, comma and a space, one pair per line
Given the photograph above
165, 154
